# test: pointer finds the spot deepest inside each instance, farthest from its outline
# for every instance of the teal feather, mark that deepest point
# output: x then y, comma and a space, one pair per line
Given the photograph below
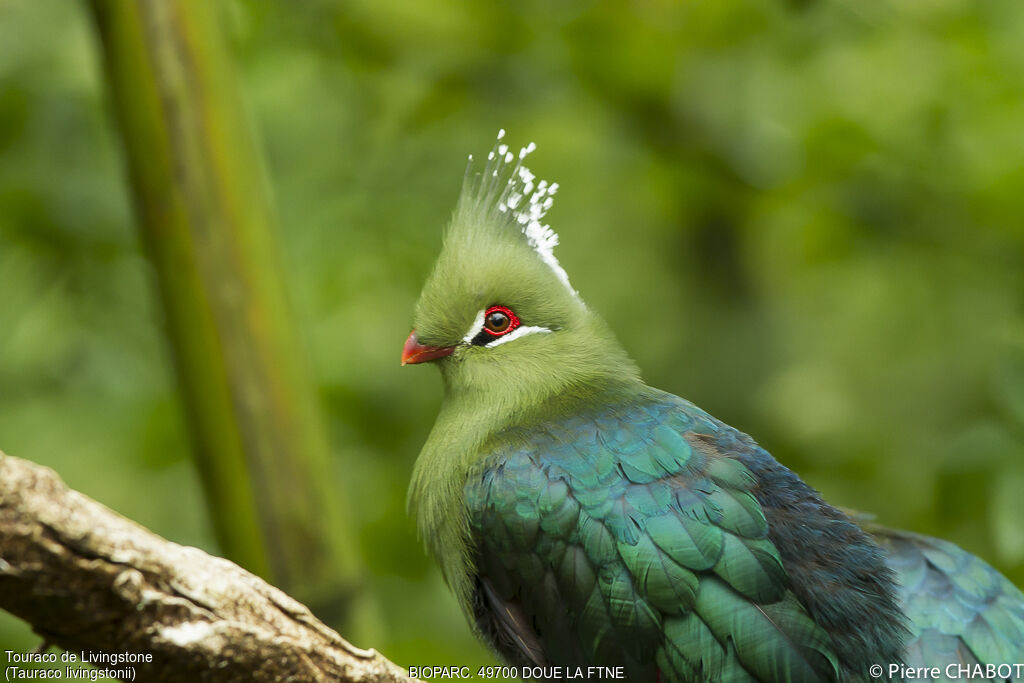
635, 555
598, 542
667, 586
960, 608
669, 449
737, 512
777, 642
690, 543
693, 652
752, 567
577, 574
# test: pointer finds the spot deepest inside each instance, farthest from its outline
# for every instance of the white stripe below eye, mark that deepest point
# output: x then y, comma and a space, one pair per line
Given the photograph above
520, 331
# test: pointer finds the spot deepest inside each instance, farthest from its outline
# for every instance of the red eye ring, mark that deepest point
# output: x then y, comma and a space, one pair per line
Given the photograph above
501, 324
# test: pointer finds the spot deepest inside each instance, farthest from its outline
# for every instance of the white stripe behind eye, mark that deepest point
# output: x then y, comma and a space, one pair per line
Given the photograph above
520, 331
478, 326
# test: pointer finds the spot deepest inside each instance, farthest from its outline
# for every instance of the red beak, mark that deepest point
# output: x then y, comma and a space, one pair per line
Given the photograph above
414, 352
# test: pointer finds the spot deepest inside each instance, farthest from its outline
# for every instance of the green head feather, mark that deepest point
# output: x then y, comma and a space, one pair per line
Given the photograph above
497, 252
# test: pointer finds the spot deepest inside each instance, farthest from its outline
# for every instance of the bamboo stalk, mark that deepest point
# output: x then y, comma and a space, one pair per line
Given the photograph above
205, 219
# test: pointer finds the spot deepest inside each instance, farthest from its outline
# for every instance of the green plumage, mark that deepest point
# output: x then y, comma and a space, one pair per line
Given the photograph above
583, 518
649, 539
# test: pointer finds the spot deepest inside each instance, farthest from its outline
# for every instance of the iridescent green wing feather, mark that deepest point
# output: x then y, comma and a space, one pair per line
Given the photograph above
609, 539
961, 610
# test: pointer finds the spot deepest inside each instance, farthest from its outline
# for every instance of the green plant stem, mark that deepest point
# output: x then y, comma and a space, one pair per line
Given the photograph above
204, 215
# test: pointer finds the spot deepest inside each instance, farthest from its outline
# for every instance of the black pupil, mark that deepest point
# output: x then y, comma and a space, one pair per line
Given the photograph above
497, 321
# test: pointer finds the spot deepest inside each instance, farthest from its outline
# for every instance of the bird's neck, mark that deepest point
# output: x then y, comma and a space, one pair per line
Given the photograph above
472, 417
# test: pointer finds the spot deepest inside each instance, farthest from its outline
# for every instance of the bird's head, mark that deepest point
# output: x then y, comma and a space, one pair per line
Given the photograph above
498, 312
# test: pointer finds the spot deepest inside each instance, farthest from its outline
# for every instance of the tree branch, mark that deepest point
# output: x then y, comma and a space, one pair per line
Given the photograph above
88, 579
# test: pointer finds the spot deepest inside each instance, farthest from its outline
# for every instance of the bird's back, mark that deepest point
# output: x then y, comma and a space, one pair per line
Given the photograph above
966, 619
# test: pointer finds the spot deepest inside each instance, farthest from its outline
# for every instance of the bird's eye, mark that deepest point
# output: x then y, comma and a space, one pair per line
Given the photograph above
499, 320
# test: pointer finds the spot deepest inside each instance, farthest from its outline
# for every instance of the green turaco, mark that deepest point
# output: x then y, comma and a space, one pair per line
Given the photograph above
585, 519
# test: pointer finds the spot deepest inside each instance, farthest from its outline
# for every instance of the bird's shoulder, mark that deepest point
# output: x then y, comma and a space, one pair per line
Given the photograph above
634, 518
627, 466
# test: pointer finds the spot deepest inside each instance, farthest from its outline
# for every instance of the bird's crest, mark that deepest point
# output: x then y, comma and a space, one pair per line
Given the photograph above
510, 196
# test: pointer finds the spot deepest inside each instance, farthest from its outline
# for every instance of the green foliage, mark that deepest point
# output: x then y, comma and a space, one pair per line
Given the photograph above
805, 217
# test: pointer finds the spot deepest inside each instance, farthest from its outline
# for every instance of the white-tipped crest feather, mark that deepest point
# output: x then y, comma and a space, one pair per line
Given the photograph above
511, 190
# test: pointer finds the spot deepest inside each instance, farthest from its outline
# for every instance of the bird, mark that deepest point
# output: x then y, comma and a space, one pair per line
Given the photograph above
583, 518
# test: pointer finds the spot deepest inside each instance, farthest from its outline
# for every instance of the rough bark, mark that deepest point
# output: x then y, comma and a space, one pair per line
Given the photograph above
88, 579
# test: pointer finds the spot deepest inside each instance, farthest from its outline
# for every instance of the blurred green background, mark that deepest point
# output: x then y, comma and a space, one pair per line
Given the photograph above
806, 217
